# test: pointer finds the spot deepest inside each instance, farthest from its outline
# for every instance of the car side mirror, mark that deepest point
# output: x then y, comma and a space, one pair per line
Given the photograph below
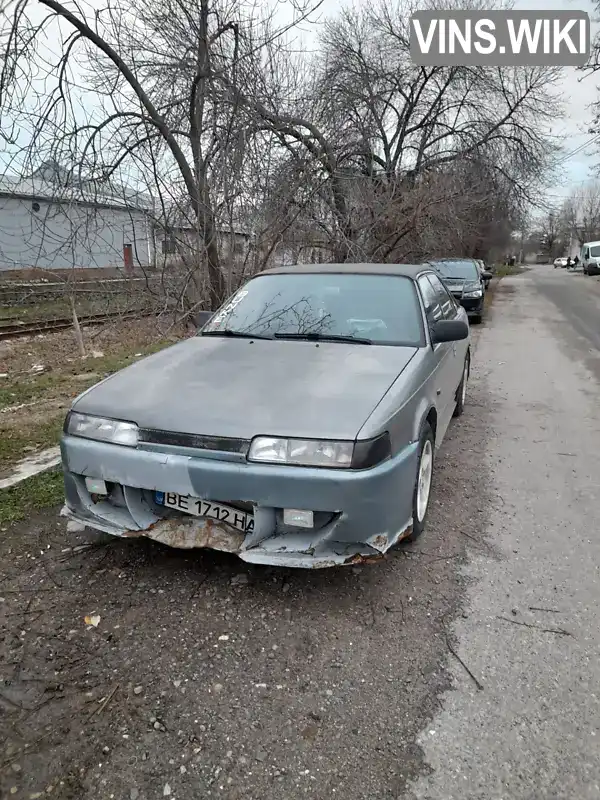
487, 275
449, 330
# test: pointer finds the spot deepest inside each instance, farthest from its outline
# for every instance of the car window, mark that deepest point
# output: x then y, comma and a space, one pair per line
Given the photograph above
381, 308
431, 300
445, 299
465, 270
595, 252
586, 253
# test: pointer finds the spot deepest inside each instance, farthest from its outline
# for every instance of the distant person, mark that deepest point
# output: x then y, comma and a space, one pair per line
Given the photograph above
569, 262
513, 260
575, 262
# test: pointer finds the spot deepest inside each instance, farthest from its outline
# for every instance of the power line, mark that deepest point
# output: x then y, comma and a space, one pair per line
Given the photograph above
581, 147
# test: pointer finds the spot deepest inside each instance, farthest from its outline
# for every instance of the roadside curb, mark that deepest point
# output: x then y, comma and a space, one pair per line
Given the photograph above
31, 466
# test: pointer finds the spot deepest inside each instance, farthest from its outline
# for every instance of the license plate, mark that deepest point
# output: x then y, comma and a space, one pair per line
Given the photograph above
239, 520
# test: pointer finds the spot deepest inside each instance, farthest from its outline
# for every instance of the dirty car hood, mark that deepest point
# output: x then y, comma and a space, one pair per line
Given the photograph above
242, 388
455, 285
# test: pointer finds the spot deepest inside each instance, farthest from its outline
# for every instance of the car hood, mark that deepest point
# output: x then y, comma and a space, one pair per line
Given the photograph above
455, 284
458, 285
242, 388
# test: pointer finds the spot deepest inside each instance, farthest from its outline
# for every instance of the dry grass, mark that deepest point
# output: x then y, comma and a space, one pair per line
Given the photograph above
504, 270
40, 491
33, 404
60, 308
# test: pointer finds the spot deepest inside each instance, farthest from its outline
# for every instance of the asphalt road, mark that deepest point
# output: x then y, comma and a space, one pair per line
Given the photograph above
530, 630
464, 666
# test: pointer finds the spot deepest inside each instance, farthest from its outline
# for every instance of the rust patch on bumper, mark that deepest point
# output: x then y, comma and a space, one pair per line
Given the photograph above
358, 558
378, 542
191, 533
406, 533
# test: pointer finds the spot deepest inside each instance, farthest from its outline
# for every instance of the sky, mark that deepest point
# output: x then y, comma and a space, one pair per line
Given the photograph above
578, 92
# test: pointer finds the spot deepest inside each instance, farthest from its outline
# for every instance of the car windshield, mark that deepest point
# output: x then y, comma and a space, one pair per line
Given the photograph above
595, 251
466, 270
367, 309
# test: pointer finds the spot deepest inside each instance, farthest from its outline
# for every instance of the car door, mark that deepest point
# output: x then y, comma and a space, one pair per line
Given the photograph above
452, 309
439, 304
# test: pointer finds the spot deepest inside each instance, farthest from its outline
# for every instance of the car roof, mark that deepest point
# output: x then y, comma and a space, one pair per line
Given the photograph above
405, 270
457, 260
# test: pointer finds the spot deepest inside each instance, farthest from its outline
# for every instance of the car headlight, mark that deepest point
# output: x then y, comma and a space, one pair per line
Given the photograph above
472, 291
302, 452
101, 429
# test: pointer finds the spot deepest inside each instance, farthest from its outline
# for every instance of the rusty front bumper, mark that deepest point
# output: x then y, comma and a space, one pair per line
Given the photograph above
283, 550
369, 510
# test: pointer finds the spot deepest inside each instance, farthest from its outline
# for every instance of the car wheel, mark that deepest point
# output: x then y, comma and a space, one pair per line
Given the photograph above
461, 392
422, 491
476, 319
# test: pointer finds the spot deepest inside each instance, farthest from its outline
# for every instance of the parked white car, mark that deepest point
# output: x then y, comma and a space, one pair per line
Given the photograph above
560, 262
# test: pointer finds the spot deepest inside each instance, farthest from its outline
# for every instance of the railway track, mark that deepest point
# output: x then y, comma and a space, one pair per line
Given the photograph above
13, 331
28, 293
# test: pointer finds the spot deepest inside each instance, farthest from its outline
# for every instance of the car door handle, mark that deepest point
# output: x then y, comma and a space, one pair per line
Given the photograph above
438, 391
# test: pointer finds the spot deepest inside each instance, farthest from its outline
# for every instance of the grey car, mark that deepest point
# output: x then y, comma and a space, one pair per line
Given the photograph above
297, 428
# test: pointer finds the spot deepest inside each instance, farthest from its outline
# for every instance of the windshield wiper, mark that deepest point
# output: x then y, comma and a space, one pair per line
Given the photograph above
234, 334
323, 337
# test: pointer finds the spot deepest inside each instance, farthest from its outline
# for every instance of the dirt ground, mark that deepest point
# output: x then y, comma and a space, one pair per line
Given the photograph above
206, 677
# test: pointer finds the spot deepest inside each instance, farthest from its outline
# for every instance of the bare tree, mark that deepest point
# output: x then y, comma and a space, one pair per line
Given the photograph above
551, 233
351, 153
378, 136
156, 71
581, 212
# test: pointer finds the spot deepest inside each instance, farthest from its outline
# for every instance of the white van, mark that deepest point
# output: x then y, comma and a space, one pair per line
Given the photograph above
590, 258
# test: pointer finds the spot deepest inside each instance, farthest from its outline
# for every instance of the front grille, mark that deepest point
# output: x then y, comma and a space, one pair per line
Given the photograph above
194, 440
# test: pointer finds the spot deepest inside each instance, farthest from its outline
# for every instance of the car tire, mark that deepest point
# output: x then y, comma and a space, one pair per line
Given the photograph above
476, 319
462, 388
419, 512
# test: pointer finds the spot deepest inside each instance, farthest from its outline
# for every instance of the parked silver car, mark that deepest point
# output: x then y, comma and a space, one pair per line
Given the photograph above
297, 428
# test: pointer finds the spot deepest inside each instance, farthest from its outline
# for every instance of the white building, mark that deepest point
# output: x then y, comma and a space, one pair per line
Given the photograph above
50, 221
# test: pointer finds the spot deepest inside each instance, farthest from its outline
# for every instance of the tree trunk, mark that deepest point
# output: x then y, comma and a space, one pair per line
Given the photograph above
77, 328
216, 279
